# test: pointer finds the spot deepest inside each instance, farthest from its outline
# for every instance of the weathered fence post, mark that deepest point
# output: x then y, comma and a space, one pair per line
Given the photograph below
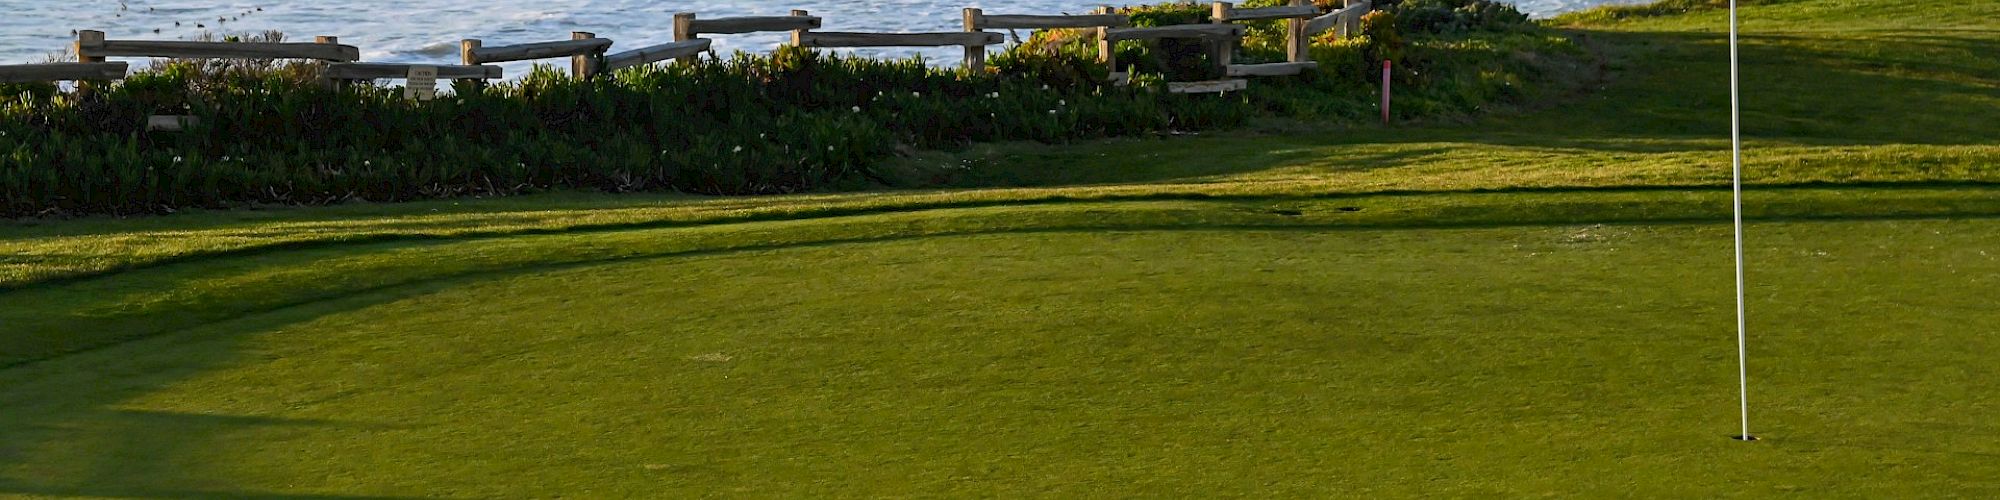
333, 84
975, 55
1107, 52
466, 56
583, 66
88, 38
798, 36
684, 31
1221, 50
1298, 46
1352, 25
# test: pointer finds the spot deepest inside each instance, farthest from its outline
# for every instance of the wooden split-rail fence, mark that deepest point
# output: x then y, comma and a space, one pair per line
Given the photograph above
590, 56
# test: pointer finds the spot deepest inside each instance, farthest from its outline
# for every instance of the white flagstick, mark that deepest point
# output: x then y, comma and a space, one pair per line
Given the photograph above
1736, 185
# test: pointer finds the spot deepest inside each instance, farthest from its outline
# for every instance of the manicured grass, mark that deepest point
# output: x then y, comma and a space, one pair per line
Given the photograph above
1590, 360
1535, 303
1833, 98
46, 321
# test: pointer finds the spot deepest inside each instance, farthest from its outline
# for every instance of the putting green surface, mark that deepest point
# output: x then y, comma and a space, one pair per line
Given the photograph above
1594, 359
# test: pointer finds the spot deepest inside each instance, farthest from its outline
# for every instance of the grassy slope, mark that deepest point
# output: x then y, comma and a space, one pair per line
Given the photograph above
1835, 99
1832, 98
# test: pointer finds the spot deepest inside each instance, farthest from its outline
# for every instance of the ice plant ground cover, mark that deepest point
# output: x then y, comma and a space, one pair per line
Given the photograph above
1535, 303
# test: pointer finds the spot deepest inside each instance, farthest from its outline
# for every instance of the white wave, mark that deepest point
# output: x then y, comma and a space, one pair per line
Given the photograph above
402, 31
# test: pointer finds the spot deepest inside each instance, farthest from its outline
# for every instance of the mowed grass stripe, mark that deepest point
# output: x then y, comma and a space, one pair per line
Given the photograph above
54, 319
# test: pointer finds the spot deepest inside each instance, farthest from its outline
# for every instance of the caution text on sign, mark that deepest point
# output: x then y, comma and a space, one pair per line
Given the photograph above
422, 84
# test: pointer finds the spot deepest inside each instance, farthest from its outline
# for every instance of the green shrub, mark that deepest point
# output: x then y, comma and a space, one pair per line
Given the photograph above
791, 121
1148, 16
1457, 16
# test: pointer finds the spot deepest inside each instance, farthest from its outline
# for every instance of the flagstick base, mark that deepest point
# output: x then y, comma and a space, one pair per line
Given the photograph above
1743, 438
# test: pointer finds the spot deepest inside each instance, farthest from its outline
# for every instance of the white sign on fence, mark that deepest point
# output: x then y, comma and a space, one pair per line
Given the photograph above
422, 84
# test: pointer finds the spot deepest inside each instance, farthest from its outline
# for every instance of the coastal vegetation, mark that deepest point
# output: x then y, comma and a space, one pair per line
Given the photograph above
786, 122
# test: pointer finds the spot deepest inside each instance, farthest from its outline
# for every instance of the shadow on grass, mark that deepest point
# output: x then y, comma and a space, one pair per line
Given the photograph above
1832, 88
117, 492
65, 433
156, 436
1665, 93
838, 212
1187, 162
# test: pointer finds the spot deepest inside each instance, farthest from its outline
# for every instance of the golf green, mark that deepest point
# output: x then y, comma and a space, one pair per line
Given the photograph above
1560, 359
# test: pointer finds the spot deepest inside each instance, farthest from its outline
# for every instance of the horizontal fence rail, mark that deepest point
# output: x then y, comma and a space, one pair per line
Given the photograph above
1271, 69
590, 57
1297, 42
657, 53
977, 21
61, 72
1348, 19
1267, 13
740, 25
223, 50
584, 49
829, 39
92, 47
688, 27
381, 71
1208, 87
1204, 31
1013, 22
541, 50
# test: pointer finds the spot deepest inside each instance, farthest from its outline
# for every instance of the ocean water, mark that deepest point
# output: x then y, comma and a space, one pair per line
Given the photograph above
428, 31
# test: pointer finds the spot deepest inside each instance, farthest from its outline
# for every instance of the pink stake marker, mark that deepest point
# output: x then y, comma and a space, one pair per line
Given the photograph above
1385, 92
